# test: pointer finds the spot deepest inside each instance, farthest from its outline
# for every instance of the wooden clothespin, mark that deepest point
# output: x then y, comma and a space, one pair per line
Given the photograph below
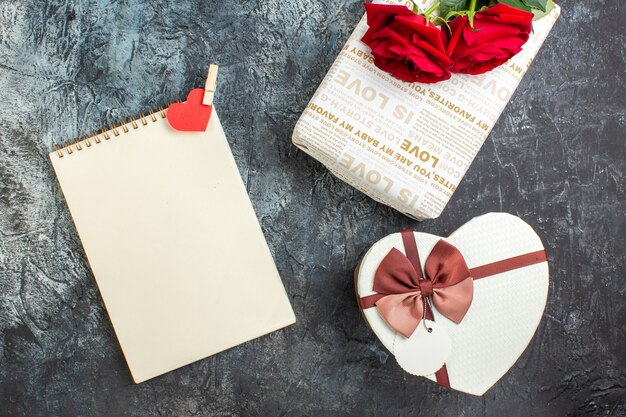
210, 85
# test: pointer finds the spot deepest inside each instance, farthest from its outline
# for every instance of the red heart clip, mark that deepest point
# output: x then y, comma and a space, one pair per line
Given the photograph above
192, 115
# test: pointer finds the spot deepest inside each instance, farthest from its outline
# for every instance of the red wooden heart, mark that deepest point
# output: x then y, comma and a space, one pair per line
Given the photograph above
192, 115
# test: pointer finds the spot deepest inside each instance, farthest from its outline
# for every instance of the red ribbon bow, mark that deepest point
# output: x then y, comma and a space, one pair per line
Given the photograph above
447, 282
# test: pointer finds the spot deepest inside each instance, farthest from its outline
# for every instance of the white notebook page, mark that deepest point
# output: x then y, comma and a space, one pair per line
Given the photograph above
173, 243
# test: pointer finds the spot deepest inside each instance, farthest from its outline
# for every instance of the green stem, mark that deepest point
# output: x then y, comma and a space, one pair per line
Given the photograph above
435, 7
472, 6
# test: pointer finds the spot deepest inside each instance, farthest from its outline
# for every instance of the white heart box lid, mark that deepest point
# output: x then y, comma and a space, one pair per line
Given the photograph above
506, 307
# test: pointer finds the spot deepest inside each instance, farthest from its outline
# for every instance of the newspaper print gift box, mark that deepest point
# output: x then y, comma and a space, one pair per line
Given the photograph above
406, 145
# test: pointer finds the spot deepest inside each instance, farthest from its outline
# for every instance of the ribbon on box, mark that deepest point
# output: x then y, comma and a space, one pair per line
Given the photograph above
404, 292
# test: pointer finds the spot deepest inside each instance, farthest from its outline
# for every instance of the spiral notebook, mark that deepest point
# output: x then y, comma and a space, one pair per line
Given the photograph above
173, 242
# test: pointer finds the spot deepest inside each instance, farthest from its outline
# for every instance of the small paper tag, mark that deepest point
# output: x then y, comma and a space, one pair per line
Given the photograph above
425, 352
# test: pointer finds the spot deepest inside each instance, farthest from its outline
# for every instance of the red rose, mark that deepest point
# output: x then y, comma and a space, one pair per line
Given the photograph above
498, 34
405, 45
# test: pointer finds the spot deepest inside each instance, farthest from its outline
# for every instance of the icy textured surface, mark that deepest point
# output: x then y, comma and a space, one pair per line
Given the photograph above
556, 158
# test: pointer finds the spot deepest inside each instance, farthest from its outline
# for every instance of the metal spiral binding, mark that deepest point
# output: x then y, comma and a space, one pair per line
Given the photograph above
77, 145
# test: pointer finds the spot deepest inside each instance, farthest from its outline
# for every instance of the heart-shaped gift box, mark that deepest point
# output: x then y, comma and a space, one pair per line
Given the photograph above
485, 286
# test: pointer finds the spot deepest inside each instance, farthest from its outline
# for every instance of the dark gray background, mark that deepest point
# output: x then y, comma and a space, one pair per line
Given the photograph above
556, 158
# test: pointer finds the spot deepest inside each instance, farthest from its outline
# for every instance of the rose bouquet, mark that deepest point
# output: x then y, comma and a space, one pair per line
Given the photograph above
453, 36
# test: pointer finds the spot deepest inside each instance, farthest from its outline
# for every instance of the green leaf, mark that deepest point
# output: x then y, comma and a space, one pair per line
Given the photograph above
440, 21
470, 17
452, 14
536, 4
518, 4
539, 14
448, 6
